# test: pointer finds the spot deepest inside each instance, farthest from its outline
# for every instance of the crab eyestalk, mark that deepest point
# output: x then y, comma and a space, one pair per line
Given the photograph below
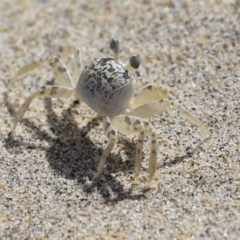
115, 47
134, 63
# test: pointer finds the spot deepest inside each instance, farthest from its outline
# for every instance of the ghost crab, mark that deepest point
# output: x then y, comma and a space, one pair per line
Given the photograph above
106, 86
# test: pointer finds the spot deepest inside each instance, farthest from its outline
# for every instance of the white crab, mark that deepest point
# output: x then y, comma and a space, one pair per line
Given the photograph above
106, 86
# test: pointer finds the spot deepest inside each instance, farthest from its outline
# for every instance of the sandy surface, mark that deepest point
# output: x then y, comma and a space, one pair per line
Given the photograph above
190, 47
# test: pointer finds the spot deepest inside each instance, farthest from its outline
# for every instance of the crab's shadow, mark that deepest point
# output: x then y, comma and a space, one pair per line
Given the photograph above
73, 155
79, 156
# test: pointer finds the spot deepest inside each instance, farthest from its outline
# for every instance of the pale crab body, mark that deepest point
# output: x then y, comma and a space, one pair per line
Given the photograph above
106, 85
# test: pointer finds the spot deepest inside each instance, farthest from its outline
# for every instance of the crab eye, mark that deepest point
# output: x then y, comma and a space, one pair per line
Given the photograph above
114, 46
134, 61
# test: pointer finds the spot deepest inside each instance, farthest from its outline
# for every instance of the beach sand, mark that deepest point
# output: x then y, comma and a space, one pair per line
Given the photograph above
192, 49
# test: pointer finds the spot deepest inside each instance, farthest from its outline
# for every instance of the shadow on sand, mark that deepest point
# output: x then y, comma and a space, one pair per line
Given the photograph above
73, 155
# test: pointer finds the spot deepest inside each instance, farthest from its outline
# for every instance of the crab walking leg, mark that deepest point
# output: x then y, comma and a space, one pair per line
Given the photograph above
130, 124
153, 154
58, 67
159, 106
112, 136
152, 158
77, 68
139, 157
46, 92
191, 118
135, 125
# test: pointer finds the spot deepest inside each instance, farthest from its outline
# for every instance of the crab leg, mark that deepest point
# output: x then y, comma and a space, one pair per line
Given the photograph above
78, 66
44, 91
135, 125
159, 106
112, 136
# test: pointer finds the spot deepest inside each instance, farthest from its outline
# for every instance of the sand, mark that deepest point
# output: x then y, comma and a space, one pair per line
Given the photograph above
192, 49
